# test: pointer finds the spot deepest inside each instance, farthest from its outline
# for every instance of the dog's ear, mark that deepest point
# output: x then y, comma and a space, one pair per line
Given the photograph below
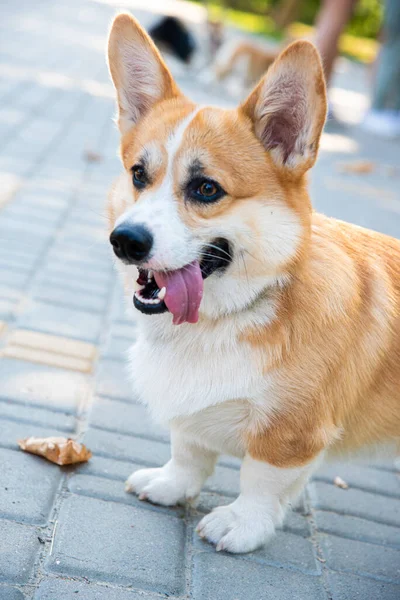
288, 108
140, 75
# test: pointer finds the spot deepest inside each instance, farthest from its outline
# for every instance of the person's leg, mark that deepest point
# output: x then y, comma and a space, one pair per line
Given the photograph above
331, 20
386, 95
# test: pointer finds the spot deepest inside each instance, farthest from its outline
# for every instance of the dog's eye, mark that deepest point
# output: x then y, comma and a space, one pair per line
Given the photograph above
139, 176
206, 190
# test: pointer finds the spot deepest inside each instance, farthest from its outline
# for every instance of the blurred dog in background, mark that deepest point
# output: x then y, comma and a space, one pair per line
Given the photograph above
246, 59
171, 35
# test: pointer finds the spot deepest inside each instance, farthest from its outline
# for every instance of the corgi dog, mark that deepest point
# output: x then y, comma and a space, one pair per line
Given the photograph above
266, 331
249, 59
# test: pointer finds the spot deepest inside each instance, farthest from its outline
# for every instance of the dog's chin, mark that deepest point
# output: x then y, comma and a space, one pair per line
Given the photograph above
149, 299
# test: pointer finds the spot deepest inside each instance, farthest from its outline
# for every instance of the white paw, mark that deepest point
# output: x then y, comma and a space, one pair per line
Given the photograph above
236, 528
162, 486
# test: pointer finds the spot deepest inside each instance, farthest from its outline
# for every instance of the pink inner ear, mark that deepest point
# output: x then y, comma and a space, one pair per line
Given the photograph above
283, 117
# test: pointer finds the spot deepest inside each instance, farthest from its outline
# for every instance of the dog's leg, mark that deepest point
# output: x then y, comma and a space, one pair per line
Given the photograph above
250, 521
178, 481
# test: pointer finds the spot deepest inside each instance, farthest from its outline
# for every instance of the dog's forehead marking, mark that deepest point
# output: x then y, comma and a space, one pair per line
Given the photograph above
153, 152
175, 139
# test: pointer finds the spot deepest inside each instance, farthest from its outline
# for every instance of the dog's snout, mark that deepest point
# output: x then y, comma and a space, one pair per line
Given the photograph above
131, 243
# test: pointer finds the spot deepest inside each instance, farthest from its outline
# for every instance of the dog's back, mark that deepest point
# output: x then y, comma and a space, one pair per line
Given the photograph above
250, 59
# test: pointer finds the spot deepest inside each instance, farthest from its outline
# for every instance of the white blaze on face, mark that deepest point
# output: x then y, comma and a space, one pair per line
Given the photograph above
157, 210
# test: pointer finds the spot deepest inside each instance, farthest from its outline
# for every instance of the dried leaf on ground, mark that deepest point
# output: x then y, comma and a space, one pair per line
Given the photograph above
339, 482
59, 450
358, 167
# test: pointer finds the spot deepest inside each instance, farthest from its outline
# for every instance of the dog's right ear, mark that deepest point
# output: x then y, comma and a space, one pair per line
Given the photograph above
140, 75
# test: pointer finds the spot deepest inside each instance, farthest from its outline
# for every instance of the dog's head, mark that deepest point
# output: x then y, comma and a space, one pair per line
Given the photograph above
211, 198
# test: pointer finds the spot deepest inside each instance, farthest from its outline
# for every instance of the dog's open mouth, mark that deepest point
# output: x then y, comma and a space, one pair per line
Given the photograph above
180, 291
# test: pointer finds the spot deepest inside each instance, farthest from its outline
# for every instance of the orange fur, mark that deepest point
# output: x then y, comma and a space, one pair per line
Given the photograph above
338, 339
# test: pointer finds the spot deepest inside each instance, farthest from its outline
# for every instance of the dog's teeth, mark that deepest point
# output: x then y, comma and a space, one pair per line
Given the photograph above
150, 275
138, 287
161, 293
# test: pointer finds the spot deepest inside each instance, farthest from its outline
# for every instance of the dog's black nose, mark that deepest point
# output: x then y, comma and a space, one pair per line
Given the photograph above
131, 243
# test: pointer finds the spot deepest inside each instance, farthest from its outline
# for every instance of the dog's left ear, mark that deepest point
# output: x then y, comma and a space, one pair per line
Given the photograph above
140, 75
288, 108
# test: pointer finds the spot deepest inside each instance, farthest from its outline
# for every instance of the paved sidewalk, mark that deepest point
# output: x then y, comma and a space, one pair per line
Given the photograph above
74, 533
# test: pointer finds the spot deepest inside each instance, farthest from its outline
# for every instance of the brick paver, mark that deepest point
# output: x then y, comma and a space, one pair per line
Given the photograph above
73, 532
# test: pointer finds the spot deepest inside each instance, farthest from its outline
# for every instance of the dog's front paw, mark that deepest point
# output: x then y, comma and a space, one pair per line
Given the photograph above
161, 486
236, 528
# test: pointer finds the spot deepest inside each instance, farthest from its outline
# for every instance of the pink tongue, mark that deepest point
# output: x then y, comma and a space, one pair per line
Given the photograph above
184, 292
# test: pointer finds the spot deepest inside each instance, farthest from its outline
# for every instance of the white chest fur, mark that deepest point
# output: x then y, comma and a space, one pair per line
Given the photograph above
181, 370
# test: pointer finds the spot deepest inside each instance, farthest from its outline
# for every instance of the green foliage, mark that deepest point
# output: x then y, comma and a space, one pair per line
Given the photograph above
366, 21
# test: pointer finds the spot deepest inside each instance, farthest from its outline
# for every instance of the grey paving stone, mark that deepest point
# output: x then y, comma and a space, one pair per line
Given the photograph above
8, 593
123, 329
84, 272
28, 486
224, 481
40, 385
300, 504
380, 562
362, 477
23, 210
296, 523
58, 589
36, 217
38, 416
17, 264
230, 461
285, 551
87, 280
108, 468
385, 465
19, 545
221, 577
77, 283
20, 249
10, 294
351, 587
132, 419
60, 320
60, 296
36, 241
66, 260
122, 309
7, 309
357, 529
108, 489
79, 243
125, 447
207, 501
356, 503
117, 348
290, 551
113, 380
14, 279
45, 200
110, 542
